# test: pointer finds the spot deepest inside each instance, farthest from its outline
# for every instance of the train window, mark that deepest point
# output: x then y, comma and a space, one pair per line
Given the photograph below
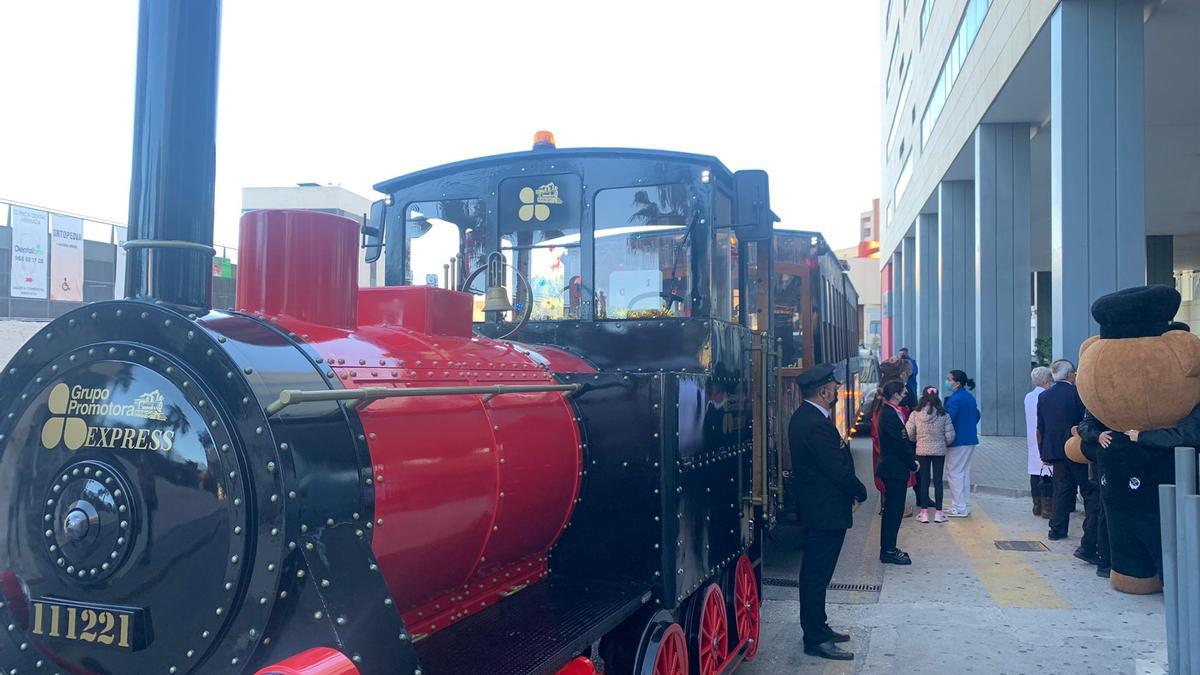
437, 231
539, 235
643, 252
757, 285
550, 262
724, 275
797, 303
725, 261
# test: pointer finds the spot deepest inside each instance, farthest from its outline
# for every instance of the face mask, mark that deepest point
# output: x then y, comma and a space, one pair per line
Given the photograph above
949, 386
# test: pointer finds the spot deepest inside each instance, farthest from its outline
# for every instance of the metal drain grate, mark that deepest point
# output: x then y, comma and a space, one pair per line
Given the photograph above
866, 588
795, 583
1021, 545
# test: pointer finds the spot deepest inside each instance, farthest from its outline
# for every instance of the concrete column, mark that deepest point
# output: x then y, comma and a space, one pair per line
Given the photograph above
1097, 161
956, 264
1002, 252
909, 301
1160, 260
927, 350
896, 301
1042, 293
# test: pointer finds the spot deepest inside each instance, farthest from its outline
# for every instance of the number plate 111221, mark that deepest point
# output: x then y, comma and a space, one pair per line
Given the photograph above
109, 625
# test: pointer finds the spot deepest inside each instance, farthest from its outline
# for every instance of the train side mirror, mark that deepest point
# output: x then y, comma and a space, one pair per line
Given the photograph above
753, 219
373, 230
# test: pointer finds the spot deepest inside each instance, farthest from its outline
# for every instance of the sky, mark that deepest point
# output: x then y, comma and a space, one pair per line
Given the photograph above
352, 93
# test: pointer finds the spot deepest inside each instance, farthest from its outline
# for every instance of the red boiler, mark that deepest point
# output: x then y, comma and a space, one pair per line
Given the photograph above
471, 491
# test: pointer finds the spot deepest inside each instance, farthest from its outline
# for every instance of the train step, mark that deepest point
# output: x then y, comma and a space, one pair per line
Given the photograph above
536, 631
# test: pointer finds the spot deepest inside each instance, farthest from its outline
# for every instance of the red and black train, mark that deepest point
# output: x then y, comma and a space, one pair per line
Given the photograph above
429, 477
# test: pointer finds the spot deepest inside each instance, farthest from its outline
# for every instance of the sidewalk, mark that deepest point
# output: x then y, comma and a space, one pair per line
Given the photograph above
1000, 466
964, 605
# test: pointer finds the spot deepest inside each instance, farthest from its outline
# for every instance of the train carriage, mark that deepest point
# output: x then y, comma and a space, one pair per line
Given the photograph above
553, 439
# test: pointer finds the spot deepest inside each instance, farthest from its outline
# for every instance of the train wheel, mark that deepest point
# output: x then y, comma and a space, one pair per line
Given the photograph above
647, 643
667, 653
746, 605
712, 632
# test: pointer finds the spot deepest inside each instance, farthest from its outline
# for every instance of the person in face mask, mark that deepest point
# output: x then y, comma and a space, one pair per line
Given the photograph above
829, 494
897, 461
964, 414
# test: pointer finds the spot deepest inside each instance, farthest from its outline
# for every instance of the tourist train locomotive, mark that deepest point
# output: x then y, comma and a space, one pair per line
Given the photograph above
411, 478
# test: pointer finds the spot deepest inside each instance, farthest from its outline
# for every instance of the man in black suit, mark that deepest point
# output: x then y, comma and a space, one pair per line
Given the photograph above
828, 493
1058, 409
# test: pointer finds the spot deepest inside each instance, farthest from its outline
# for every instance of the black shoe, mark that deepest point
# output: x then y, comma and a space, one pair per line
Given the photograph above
828, 650
895, 557
1055, 536
1102, 571
838, 637
1089, 558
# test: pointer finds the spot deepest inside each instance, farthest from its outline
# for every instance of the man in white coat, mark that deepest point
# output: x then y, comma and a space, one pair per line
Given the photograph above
1040, 486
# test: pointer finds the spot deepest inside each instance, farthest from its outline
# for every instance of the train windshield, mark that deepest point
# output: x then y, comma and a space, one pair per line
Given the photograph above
643, 252
640, 238
549, 261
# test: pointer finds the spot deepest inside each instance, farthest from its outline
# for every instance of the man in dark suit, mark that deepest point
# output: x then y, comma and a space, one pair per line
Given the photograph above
910, 398
1058, 409
828, 493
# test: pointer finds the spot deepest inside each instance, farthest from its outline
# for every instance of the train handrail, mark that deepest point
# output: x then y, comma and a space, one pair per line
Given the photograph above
367, 395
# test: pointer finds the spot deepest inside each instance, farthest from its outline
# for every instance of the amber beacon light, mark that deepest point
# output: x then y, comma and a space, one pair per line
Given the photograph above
543, 140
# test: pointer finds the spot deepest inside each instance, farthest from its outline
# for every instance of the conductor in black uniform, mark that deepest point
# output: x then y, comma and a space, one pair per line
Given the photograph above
828, 493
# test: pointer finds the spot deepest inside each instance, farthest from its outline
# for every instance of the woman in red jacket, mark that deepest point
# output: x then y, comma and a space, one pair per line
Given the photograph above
891, 369
897, 461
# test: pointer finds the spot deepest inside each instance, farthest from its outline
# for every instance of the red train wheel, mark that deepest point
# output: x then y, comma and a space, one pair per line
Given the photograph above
670, 657
746, 606
713, 636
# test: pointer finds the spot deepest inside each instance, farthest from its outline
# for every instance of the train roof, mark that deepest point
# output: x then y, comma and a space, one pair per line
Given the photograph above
542, 154
805, 233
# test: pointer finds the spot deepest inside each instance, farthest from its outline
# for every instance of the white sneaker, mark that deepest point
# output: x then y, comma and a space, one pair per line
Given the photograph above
955, 513
923, 516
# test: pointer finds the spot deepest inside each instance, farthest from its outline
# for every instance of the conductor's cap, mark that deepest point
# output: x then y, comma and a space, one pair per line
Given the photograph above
816, 376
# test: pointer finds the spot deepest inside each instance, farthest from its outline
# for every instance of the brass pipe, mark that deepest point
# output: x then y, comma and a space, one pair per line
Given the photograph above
367, 395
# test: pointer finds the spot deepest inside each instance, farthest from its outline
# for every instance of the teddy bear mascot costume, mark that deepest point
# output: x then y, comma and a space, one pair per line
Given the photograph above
1141, 373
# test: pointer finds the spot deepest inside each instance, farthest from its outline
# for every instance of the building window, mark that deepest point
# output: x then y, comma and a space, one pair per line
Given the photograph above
887, 74
964, 37
902, 181
897, 116
926, 11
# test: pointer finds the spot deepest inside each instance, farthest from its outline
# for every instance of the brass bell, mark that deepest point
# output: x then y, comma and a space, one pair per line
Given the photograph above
495, 299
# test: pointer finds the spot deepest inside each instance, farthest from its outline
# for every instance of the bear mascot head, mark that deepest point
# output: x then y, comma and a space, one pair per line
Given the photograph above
1142, 372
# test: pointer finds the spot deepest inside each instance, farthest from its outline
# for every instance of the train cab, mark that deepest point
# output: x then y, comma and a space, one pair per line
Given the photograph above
640, 260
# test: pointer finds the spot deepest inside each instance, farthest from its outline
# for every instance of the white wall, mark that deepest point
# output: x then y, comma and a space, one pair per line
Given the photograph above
13, 334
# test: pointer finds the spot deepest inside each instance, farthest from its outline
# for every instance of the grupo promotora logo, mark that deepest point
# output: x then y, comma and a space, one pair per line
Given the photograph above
69, 405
